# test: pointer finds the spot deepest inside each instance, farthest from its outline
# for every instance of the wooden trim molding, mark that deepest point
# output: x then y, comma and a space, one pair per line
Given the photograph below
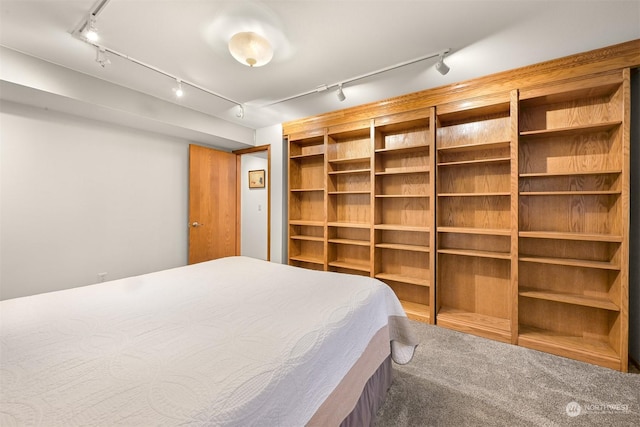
616, 57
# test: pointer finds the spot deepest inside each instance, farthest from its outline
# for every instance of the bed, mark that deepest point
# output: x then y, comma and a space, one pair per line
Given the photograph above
234, 341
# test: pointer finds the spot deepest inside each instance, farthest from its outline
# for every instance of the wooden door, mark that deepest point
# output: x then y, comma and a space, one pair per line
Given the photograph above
213, 219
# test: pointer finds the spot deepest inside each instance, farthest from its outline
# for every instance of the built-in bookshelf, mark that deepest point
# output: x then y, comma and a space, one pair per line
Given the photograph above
404, 207
573, 192
497, 207
474, 214
349, 198
306, 200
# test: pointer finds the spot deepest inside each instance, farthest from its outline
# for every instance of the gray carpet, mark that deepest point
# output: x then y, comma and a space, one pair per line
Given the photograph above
457, 379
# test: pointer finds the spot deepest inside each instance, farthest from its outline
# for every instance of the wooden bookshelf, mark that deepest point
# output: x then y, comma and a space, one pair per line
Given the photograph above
498, 207
475, 229
573, 193
349, 192
306, 199
403, 208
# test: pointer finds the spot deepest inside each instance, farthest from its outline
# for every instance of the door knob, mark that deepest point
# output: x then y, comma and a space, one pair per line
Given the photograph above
196, 224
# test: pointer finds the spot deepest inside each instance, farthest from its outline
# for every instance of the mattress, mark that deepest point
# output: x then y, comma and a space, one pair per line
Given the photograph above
234, 341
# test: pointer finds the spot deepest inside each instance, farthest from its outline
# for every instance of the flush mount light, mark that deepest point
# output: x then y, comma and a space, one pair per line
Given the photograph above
250, 49
340, 93
441, 66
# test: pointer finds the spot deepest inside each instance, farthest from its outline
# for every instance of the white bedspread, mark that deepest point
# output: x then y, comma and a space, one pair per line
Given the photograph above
234, 341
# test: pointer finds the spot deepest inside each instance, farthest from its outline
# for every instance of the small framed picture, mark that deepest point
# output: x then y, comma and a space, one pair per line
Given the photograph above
256, 179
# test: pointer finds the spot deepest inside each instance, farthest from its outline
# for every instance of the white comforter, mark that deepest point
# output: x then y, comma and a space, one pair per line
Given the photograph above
234, 341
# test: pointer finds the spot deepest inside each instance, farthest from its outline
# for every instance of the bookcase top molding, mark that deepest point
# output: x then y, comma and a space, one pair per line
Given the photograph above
616, 57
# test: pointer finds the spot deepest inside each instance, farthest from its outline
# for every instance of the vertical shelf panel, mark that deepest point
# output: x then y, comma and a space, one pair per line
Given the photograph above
307, 211
403, 209
349, 188
475, 220
573, 287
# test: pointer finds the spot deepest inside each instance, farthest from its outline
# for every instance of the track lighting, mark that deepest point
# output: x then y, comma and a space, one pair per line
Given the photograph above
441, 66
178, 89
87, 32
91, 31
101, 57
340, 93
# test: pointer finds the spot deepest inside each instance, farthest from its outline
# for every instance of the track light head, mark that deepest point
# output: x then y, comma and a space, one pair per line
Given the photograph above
441, 66
340, 93
178, 89
90, 29
240, 112
101, 57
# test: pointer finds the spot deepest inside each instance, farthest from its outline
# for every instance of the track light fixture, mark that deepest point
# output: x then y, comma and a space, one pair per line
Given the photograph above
240, 112
340, 93
87, 32
441, 66
101, 57
178, 89
90, 29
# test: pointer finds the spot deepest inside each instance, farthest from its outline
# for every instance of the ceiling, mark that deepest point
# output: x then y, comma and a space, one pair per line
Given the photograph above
316, 43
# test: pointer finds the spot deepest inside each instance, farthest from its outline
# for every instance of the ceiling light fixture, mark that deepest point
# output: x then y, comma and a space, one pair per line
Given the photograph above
101, 57
80, 33
340, 93
178, 89
250, 49
103, 60
91, 31
240, 112
87, 29
441, 66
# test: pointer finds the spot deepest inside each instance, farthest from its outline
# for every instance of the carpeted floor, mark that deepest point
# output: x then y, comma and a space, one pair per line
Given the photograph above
457, 379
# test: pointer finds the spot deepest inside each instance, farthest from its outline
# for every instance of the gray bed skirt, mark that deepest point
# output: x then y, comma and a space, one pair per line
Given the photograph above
372, 397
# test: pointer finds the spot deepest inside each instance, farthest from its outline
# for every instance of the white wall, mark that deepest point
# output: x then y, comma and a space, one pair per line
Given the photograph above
80, 197
253, 207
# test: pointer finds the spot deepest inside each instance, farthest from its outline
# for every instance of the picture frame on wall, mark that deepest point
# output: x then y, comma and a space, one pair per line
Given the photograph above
256, 178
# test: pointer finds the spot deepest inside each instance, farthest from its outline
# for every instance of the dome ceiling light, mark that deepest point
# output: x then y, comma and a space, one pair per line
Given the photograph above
250, 49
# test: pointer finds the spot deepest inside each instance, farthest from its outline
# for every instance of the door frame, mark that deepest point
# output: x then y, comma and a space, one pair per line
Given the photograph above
239, 154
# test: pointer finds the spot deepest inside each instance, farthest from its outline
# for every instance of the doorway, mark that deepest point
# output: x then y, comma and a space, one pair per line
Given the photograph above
254, 206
